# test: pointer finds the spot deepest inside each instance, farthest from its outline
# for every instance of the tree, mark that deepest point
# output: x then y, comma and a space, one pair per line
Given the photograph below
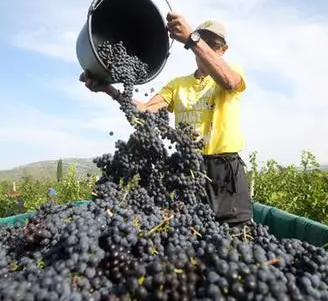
59, 170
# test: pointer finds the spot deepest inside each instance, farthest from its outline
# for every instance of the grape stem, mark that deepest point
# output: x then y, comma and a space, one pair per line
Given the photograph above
160, 225
137, 121
195, 232
272, 261
206, 177
124, 197
245, 234
178, 271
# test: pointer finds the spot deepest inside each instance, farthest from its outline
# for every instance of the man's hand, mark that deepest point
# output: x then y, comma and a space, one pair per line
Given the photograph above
178, 27
92, 84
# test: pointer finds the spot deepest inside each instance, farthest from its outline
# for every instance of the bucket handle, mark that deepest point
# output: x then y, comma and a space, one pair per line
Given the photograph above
170, 7
96, 3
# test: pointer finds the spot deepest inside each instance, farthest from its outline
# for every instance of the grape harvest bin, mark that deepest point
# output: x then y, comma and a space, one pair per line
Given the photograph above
280, 223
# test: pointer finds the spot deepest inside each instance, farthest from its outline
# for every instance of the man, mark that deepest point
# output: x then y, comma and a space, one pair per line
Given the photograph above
51, 195
209, 100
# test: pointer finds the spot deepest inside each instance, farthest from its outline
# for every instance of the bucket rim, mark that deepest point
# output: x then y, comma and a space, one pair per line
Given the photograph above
93, 7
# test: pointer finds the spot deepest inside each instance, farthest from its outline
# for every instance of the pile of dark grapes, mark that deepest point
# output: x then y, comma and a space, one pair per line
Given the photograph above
147, 235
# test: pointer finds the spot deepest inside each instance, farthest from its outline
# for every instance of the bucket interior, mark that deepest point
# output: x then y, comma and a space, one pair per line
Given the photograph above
139, 24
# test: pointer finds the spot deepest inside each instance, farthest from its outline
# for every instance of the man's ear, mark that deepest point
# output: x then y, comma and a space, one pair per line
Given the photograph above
220, 51
224, 48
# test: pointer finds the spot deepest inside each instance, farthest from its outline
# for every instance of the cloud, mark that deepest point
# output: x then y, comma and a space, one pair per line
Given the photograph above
50, 28
47, 41
281, 132
31, 145
28, 134
17, 115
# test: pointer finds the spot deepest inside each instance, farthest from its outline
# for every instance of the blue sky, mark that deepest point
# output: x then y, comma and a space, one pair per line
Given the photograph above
46, 113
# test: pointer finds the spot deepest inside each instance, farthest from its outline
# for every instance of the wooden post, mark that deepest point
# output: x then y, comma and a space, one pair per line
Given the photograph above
251, 189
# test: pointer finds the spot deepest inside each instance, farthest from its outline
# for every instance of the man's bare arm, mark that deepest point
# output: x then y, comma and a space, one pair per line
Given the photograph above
153, 105
156, 103
220, 71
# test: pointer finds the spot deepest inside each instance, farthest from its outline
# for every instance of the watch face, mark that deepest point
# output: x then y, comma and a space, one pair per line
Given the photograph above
195, 36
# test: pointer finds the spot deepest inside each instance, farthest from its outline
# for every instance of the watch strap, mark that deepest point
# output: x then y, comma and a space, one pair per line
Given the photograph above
190, 42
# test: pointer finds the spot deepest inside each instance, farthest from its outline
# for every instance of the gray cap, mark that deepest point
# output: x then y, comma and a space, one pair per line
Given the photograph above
215, 27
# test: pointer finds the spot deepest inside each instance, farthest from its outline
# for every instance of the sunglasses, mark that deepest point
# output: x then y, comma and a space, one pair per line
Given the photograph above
212, 41
213, 44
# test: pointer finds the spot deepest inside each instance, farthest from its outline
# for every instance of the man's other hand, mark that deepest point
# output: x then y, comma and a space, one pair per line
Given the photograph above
178, 27
92, 84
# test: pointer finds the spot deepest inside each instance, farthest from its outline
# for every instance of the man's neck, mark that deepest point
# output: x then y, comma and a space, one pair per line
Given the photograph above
200, 74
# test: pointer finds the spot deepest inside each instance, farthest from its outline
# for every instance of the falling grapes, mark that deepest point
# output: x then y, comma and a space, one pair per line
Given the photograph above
122, 67
146, 234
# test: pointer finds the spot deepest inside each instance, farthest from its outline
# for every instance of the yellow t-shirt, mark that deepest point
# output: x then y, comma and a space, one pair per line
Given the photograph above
213, 111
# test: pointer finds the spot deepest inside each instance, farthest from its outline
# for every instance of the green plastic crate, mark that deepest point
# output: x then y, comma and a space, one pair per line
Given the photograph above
20, 219
280, 223
286, 225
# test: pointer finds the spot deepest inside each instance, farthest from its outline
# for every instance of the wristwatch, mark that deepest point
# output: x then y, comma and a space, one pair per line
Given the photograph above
193, 39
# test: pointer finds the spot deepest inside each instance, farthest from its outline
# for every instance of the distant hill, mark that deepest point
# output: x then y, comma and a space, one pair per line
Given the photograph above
48, 169
324, 167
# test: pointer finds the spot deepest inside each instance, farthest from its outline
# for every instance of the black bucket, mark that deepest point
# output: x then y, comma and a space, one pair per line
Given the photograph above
137, 23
